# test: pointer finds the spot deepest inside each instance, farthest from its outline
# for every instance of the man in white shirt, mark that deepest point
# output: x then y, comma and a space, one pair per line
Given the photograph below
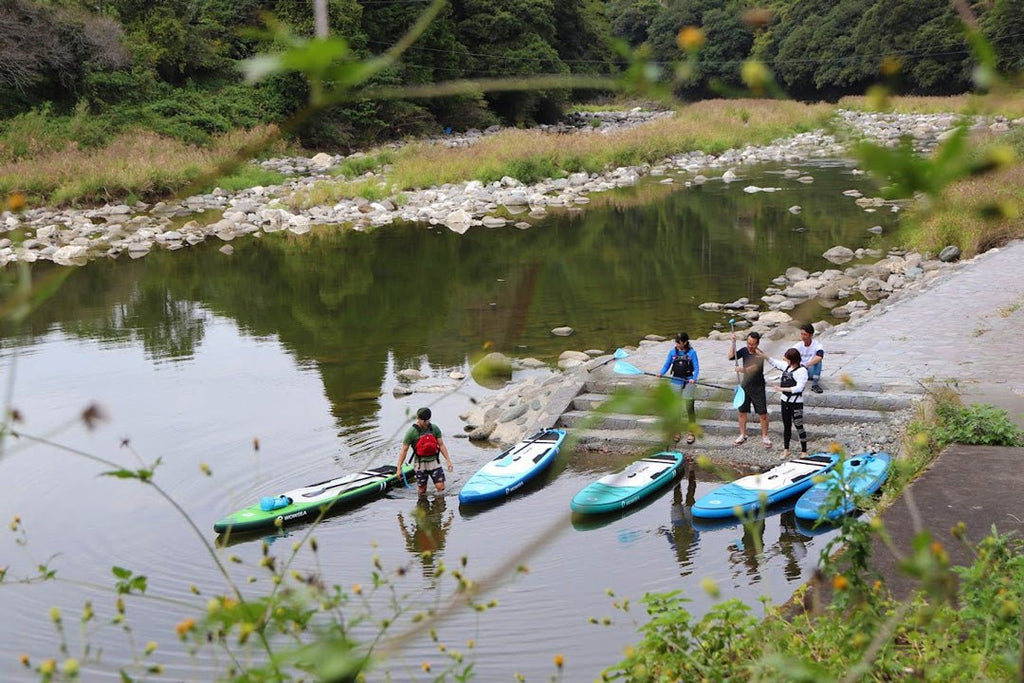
811, 356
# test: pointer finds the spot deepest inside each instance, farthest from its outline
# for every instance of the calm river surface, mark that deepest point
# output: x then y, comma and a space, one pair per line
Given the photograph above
295, 342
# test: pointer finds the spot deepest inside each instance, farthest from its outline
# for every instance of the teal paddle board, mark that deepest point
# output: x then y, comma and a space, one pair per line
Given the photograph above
852, 480
622, 489
306, 503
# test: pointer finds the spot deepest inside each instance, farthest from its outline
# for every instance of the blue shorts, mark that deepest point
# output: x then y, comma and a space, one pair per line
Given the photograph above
436, 474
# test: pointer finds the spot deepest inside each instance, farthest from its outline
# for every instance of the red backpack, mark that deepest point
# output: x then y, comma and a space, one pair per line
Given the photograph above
426, 446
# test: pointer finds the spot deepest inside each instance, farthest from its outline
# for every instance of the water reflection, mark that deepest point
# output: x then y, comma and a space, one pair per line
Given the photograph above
346, 302
747, 551
682, 534
792, 544
425, 535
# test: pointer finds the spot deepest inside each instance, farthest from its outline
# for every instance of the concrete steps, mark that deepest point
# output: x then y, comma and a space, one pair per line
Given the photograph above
584, 404
832, 416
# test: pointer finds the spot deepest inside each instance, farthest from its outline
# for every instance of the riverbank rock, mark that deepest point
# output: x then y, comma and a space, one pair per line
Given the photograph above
838, 254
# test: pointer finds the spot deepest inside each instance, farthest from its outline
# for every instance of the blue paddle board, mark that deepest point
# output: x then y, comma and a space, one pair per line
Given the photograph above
760, 490
622, 489
856, 477
513, 467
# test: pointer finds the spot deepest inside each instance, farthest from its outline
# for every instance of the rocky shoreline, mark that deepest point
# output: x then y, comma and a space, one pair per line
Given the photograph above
73, 237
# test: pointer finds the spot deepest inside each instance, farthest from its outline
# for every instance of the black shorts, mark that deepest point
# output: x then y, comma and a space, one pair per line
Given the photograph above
434, 473
754, 396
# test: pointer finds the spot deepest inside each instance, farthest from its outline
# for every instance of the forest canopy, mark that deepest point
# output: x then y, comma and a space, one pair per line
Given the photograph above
172, 66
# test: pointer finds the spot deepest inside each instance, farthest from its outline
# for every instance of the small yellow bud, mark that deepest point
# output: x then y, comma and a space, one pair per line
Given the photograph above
890, 66
16, 202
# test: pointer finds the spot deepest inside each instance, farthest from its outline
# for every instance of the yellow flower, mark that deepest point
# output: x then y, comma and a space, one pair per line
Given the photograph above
425, 666
890, 66
185, 626
48, 667
839, 582
559, 661
755, 74
24, 660
16, 202
71, 667
690, 38
357, 589
710, 587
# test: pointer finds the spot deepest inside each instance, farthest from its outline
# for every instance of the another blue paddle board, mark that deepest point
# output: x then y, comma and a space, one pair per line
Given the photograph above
622, 489
752, 492
513, 467
856, 477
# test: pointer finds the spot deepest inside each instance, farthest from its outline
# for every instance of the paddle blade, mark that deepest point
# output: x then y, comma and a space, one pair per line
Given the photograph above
738, 397
621, 367
620, 354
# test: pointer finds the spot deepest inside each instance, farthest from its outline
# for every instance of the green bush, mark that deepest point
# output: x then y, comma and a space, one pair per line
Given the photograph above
531, 170
978, 424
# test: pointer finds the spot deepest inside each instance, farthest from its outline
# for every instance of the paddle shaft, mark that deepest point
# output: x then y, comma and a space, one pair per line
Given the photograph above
739, 396
700, 382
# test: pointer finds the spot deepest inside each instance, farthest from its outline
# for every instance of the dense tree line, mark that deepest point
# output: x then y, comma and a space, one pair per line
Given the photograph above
171, 65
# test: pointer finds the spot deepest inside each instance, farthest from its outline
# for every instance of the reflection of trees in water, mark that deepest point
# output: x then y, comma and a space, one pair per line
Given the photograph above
168, 328
682, 535
346, 301
425, 536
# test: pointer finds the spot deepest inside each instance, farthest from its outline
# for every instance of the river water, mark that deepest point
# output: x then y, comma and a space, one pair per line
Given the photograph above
274, 367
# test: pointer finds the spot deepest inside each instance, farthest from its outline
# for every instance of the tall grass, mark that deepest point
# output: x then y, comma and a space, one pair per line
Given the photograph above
327, 192
711, 126
1010, 105
139, 163
975, 214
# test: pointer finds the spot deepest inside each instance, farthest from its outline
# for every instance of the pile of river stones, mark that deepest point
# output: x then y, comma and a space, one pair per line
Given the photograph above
73, 237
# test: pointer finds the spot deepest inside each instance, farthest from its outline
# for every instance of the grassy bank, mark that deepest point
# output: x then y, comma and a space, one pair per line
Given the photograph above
52, 169
1010, 106
530, 156
135, 164
711, 126
949, 632
977, 213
